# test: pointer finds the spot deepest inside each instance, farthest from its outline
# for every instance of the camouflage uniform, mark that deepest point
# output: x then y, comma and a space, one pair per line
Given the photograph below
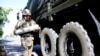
27, 38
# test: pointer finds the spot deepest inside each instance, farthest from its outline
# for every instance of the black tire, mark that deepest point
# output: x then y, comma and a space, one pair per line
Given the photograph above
78, 30
51, 39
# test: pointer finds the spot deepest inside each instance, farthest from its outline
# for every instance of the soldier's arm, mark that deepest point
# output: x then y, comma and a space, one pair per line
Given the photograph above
34, 23
17, 26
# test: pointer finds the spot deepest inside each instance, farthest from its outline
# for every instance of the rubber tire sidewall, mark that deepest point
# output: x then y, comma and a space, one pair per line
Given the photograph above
53, 43
80, 34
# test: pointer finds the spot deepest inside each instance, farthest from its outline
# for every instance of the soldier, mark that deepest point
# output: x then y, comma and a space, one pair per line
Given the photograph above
26, 38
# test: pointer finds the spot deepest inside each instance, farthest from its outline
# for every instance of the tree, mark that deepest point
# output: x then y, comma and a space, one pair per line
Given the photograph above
3, 17
1, 32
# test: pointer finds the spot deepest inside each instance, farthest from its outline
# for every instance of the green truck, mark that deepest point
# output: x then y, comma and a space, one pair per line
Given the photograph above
69, 27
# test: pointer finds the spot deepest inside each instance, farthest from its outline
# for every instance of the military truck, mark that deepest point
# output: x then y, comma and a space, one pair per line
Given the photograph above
69, 27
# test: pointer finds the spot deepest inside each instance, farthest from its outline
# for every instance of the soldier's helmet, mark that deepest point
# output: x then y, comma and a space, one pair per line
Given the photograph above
26, 12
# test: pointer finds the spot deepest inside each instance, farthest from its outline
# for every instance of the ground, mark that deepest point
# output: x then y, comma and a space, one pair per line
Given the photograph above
12, 46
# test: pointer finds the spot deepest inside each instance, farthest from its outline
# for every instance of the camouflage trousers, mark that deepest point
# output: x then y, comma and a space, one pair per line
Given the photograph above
27, 44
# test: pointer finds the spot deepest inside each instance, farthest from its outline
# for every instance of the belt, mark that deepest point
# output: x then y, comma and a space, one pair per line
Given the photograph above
27, 35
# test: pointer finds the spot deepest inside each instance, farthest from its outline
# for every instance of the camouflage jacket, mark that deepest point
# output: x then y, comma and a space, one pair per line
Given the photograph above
23, 23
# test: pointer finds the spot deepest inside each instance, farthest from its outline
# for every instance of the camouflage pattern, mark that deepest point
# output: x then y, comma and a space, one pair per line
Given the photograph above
27, 38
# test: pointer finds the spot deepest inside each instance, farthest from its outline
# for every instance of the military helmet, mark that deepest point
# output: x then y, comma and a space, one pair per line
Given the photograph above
26, 12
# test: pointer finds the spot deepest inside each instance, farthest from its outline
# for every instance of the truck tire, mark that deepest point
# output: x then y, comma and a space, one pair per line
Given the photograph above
48, 42
82, 36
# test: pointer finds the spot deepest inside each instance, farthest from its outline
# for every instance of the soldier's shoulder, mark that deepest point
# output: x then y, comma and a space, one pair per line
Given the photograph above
20, 20
33, 20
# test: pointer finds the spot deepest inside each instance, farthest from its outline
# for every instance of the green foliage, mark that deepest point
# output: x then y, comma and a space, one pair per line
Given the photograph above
1, 31
3, 14
3, 17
